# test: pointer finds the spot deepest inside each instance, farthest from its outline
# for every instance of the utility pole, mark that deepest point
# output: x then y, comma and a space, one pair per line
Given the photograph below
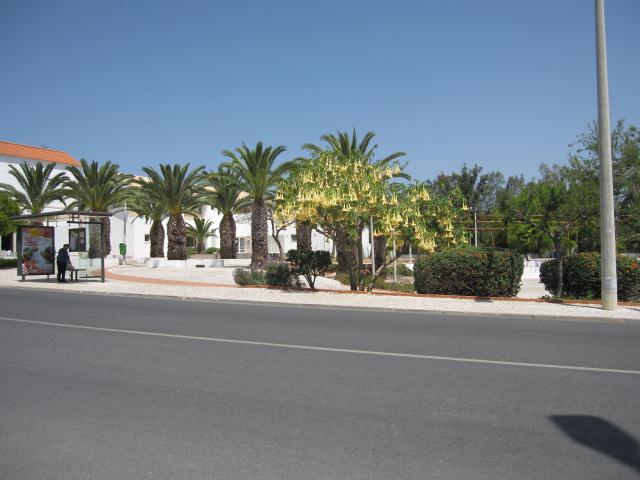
475, 227
395, 264
124, 234
608, 276
373, 254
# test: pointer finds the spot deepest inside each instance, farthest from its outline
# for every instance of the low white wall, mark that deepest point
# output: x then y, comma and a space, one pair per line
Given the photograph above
193, 262
532, 267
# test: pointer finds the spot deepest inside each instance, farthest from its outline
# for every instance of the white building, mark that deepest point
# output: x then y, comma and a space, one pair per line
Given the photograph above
123, 223
14, 154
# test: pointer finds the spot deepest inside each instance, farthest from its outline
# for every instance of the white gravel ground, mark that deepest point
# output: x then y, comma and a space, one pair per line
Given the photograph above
8, 278
531, 288
207, 275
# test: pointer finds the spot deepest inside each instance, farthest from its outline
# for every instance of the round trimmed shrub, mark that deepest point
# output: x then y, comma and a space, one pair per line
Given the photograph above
309, 264
279, 275
581, 276
470, 271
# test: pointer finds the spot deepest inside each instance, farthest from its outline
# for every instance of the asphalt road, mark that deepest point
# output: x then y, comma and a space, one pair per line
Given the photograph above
171, 389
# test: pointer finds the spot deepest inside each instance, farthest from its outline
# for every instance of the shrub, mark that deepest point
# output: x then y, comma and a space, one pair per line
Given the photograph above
279, 275
332, 268
380, 283
401, 269
8, 262
469, 271
581, 276
309, 264
211, 250
399, 287
244, 276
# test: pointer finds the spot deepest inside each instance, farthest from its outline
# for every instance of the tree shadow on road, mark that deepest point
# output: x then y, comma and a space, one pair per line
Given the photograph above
601, 436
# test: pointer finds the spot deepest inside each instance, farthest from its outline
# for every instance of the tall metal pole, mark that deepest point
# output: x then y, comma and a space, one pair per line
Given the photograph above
124, 234
373, 253
101, 251
475, 228
609, 288
395, 264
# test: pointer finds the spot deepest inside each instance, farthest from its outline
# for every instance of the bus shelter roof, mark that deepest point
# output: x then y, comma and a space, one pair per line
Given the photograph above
62, 215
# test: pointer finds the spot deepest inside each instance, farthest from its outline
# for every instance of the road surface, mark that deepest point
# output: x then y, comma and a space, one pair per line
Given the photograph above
106, 387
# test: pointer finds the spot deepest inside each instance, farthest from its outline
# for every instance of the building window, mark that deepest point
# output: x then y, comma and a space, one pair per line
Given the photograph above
272, 246
294, 237
243, 245
191, 242
147, 238
77, 240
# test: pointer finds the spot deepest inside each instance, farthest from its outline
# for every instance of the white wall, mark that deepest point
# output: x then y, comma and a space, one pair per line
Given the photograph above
6, 177
136, 229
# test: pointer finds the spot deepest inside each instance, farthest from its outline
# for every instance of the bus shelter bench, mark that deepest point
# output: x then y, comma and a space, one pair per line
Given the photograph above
74, 272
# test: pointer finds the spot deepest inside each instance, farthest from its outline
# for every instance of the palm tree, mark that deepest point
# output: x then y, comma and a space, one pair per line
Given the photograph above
201, 230
38, 187
227, 198
349, 146
98, 189
259, 178
178, 191
153, 212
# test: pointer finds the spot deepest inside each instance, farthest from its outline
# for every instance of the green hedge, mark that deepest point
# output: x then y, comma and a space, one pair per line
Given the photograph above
8, 263
469, 271
581, 276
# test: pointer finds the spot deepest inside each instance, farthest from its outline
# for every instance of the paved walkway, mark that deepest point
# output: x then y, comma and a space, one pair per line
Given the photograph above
197, 290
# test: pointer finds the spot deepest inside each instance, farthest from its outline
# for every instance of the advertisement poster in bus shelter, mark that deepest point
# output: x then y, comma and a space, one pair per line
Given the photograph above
36, 250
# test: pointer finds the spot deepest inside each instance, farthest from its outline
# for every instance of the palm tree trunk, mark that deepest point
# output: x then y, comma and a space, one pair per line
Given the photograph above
303, 235
259, 235
177, 235
106, 233
94, 238
156, 236
227, 236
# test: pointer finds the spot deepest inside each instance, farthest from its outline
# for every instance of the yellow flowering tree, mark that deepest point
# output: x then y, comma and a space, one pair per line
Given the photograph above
336, 192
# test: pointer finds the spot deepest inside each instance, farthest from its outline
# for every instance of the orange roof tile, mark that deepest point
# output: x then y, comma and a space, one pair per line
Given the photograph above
36, 153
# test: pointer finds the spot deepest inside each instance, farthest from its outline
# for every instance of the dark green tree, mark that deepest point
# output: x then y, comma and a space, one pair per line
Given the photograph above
549, 212
8, 208
625, 151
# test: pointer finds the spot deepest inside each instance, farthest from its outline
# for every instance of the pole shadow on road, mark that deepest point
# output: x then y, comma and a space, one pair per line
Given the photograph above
601, 436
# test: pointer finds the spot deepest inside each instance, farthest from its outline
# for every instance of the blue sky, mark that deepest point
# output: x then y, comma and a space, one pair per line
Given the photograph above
507, 84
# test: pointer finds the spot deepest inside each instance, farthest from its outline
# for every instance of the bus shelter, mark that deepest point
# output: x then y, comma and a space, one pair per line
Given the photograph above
41, 235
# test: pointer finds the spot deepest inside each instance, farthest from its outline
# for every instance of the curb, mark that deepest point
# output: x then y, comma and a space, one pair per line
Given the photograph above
501, 315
